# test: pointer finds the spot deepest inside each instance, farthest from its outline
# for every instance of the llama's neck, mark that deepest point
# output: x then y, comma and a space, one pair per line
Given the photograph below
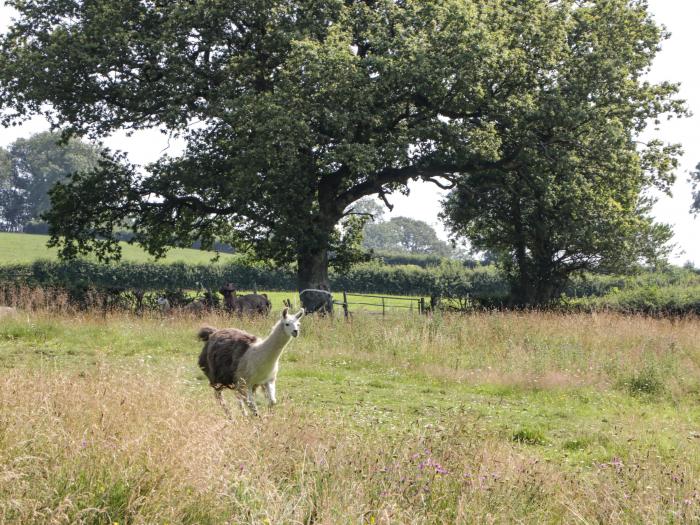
274, 343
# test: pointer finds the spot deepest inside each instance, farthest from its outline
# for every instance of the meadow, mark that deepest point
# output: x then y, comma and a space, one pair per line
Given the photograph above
485, 418
22, 248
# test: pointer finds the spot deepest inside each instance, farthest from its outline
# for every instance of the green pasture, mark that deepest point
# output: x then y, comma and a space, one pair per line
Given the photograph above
20, 248
489, 418
365, 303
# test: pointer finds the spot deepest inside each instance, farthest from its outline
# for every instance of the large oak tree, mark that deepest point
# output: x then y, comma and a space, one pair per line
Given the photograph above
291, 110
294, 109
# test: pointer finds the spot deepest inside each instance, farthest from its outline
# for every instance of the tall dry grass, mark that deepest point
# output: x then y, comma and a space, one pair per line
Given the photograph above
106, 420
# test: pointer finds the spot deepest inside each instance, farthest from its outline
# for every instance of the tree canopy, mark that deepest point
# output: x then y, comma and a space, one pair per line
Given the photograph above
574, 193
28, 170
292, 110
695, 181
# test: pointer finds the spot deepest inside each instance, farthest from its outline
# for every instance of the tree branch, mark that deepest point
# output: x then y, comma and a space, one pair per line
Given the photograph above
376, 183
382, 195
451, 183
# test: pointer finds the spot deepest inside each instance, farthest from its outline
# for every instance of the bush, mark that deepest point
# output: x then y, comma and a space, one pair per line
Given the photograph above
422, 260
673, 299
646, 381
82, 274
529, 436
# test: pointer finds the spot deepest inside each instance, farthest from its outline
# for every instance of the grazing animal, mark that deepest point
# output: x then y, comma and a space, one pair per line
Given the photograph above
317, 300
251, 304
196, 307
235, 359
163, 305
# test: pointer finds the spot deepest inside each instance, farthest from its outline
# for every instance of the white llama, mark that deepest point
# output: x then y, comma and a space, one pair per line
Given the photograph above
235, 359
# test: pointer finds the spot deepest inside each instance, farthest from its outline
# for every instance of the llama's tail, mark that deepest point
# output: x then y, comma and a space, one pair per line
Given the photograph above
205, 332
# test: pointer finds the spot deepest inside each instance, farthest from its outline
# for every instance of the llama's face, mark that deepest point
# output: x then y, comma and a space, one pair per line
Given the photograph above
292, 323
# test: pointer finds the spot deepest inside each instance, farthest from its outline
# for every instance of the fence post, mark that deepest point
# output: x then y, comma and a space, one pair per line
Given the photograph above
421, 305
345, 304
383, 308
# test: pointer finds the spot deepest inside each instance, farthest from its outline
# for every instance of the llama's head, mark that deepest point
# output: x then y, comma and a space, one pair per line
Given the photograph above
292, 323
228, 289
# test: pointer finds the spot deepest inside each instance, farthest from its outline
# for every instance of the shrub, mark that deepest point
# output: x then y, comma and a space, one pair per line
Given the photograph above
528, 436
645, 381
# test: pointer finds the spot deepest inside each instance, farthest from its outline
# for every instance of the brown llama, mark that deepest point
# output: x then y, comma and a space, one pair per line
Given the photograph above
235, 359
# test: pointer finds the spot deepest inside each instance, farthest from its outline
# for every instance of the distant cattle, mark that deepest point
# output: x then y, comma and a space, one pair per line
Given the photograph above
249, 304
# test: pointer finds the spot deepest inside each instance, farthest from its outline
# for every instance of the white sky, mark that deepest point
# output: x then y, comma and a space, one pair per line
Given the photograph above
674, 63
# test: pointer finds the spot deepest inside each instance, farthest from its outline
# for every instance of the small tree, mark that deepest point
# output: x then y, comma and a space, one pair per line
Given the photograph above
695, 181
31, 167
403, 234
573, 194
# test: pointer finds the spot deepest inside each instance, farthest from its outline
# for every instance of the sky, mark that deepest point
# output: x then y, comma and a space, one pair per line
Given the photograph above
674, 63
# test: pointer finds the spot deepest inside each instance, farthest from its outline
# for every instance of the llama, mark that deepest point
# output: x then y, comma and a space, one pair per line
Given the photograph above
164, 305
235, 359
254, 304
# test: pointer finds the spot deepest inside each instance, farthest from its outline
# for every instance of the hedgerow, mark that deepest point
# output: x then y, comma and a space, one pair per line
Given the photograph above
673, 291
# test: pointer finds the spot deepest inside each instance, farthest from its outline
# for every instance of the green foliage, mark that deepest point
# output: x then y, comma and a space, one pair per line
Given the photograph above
402, 259
648, 299
528, 436
80, 274
30, 168
573, 188
304, 108
403, 234
695, 181
674, 291
646, 381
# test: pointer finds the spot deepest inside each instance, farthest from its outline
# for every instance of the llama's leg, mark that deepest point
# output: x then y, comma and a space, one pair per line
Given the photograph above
241, 404
251, 401
220, 399
240, 391
269, 389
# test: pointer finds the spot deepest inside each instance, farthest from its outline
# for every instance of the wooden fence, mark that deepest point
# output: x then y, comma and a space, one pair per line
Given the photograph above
417, 303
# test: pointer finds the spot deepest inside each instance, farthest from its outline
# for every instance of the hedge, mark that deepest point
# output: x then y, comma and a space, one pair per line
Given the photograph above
672, 290
146, 276
450, 279
671, 300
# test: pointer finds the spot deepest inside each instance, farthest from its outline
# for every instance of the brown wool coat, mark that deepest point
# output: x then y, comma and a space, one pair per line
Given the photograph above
222, 353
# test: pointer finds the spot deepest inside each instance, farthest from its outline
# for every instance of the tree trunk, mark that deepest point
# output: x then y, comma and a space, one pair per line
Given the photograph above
314, 286
312, 269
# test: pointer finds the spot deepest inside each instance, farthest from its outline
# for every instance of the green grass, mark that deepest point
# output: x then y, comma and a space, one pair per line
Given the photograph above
394, 305
20, 248
535, 418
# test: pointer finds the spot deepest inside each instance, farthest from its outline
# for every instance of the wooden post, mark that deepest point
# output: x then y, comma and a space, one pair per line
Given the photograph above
421, 305
345, 304
383, 307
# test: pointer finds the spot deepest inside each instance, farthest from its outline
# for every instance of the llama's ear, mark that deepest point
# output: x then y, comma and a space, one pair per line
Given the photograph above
300, 314
284, 312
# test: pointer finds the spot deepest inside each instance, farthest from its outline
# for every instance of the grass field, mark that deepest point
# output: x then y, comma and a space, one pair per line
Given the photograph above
20, 248
490, 418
